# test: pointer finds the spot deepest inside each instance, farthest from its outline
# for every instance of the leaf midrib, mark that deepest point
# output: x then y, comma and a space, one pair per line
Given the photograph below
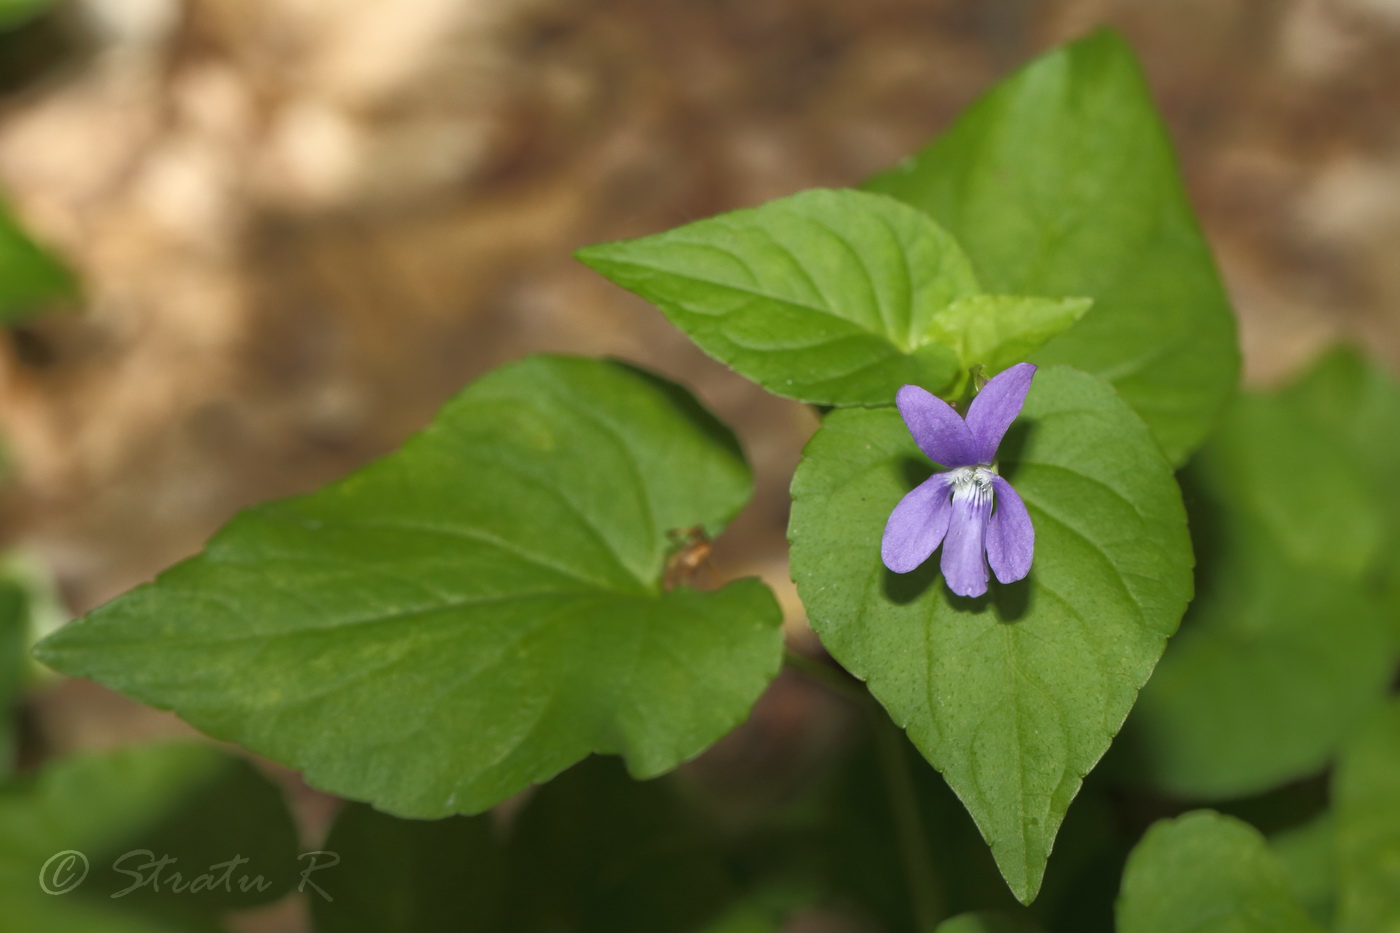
754, 292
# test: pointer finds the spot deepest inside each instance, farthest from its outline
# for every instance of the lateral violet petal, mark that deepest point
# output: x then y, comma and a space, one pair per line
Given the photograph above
995, 407
963, 563
917, 525
1010, 535
939, 431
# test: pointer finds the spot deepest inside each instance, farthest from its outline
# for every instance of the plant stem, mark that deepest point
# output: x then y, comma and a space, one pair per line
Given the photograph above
925, 887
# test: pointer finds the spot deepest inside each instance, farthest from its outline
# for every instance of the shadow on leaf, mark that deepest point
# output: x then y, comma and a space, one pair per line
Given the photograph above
904, 588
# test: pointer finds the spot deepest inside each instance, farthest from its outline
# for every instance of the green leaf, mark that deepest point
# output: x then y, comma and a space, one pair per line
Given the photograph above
472, 614
1283, 651
1267, 465
1061, 181
825, 296
1016, 695
999, 331
1264, 683
833, 297
1207, 873
1366, 790
1388, 584
16, 12
1351, 407
30, 277
1307, 855
197, 805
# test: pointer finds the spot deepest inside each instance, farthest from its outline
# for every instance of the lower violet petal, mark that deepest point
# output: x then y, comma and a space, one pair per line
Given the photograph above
964, 566
917, 524
1010, 535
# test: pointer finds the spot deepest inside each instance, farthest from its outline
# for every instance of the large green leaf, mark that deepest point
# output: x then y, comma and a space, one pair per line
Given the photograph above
1367, 794
825, 296
1207, 873
1016, 695
832, 297
30, 276
1061, 181
116, 816
472, 614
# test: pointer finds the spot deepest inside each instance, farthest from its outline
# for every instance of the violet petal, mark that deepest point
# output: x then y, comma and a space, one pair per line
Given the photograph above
963, 563
917, 525
1010, 535
995, 407
939, 431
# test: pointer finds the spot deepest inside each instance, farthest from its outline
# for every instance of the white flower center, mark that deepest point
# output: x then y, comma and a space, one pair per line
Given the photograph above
972, 483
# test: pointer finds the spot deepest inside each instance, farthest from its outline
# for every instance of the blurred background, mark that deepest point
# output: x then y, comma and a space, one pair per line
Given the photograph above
299, 225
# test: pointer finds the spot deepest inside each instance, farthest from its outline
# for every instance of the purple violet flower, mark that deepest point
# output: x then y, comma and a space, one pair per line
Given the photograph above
968, 507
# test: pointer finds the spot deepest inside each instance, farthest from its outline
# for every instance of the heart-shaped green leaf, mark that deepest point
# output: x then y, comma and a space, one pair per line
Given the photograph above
1207, 873
1061, 181
472, 614
1016, 695
825, 296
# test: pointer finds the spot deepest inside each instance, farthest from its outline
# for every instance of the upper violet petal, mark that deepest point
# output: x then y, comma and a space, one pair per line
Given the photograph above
917, 525
963, 563
941, 434
995, 407
1010, 535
